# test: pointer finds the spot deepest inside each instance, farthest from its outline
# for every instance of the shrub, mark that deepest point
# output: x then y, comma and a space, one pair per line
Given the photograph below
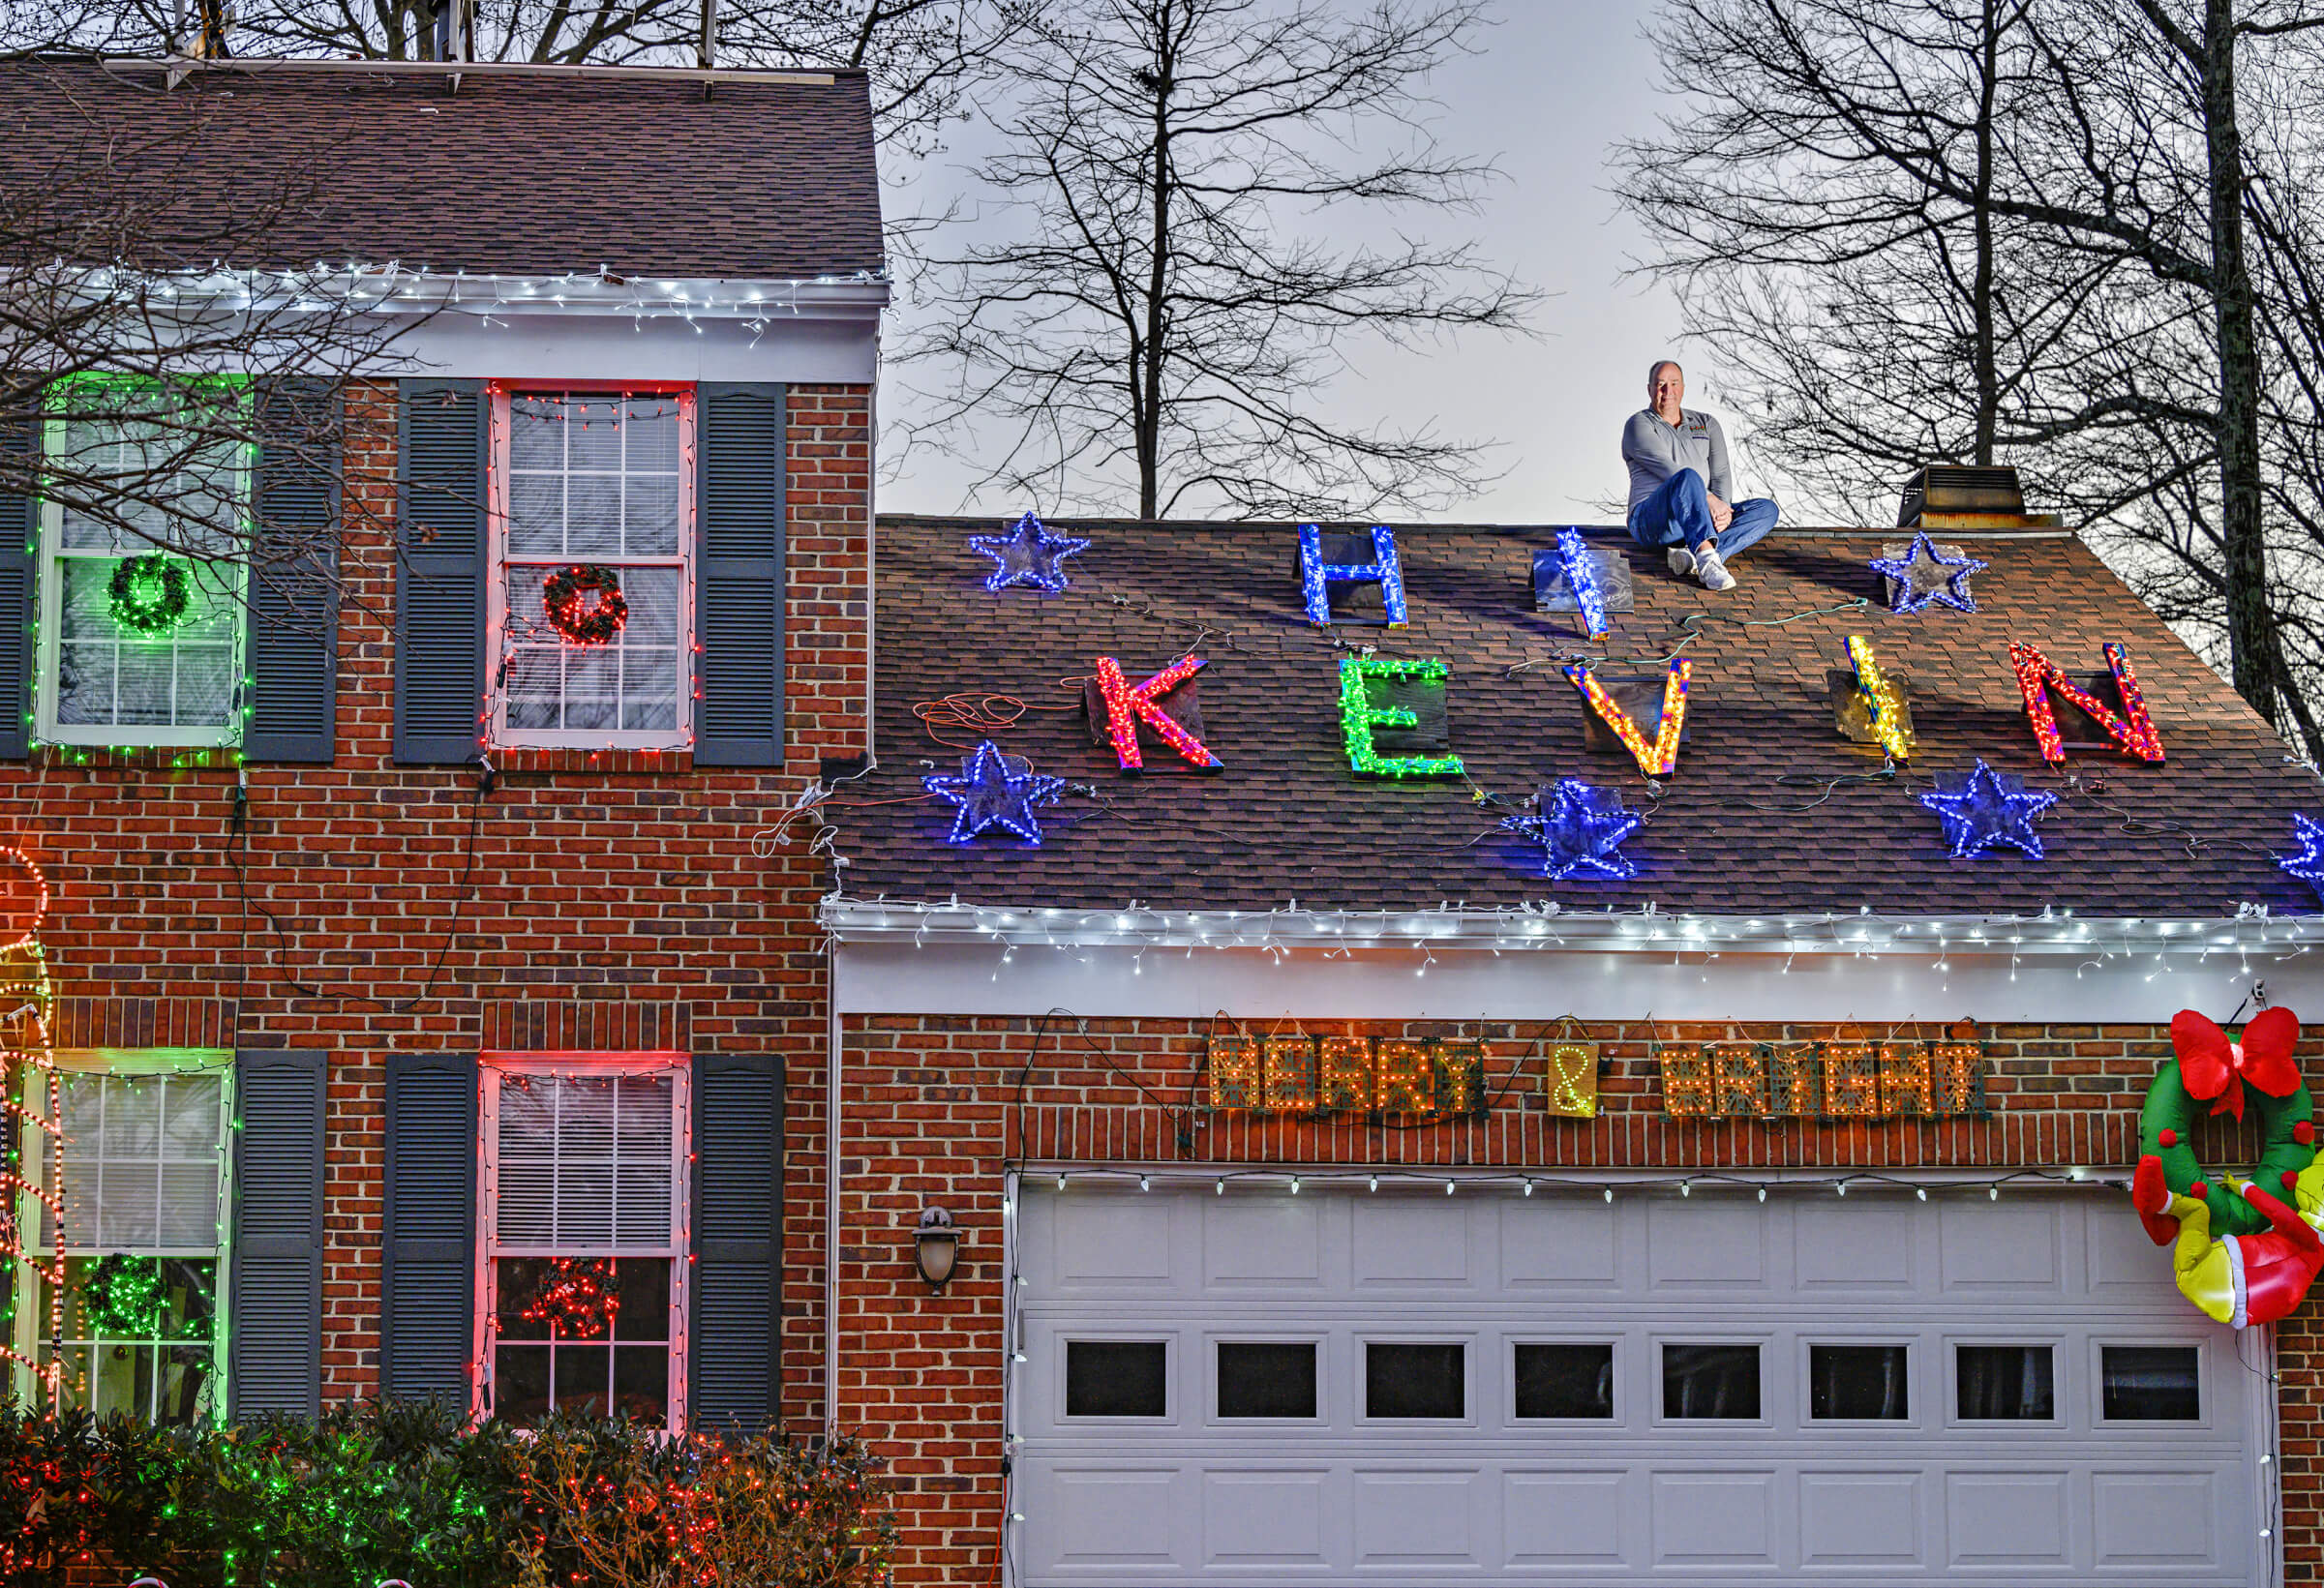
74, 1489
610, 1509
411, 1490
359, 1494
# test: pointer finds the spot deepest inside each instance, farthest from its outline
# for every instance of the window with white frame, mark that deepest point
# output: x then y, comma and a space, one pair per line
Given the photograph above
583, 1256
142, 1174
141, 583
593, 594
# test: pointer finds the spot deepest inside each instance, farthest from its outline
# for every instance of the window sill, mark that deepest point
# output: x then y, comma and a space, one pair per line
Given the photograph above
536, 757
161, 757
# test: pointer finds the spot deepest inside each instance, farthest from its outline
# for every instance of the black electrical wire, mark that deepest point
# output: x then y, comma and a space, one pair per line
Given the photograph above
236, 853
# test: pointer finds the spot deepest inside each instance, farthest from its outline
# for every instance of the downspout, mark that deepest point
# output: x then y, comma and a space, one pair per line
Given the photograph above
830, 948
830, 1190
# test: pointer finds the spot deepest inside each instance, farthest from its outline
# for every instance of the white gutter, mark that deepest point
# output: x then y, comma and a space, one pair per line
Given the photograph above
1551, 925
395, 288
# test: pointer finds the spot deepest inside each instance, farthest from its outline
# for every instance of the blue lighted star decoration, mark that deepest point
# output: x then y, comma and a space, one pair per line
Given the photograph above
1028, 554
1580, 829
1924, 574
1989, 809
2308, 864
991, 795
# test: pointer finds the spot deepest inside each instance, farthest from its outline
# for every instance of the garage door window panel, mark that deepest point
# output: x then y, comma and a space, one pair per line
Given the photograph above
2150, 1384
1562, 1380
1117, 1378
2005, 1383
1711, 1381
1407, 1380
1851, 1382
1277, 1380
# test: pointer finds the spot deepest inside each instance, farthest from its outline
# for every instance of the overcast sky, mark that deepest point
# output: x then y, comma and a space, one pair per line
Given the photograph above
1557, 83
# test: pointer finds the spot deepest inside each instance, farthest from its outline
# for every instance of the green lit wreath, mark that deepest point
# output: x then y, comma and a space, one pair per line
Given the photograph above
151, 592
565, 594
123, 1297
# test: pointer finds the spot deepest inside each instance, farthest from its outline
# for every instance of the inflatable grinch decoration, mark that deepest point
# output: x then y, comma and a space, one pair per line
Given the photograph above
2242, 1254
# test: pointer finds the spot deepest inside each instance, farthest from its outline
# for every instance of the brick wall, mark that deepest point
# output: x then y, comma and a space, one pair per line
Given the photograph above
932, 1114
616, 900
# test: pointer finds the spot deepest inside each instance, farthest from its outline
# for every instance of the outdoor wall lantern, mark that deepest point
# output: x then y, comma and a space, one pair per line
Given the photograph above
935, 1247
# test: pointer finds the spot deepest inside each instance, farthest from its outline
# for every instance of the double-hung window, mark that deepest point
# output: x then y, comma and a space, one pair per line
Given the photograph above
584, 1271
592, 594
143, 570
142, 1176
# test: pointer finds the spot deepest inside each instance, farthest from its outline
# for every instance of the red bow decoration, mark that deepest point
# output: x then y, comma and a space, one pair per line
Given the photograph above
2212, 1067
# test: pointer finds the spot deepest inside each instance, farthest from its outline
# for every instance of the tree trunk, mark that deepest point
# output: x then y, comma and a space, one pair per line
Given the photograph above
1149, 368
2250, 651
1988, 374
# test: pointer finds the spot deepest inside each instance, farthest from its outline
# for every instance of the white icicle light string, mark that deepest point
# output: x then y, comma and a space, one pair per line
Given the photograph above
1337, 934
1607, 1182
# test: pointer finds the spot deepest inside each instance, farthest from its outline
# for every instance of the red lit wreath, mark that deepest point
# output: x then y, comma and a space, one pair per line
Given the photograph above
578, 1298
566, 595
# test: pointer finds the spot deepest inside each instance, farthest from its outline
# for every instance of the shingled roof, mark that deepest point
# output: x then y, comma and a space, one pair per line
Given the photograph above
1287, 820
521, 171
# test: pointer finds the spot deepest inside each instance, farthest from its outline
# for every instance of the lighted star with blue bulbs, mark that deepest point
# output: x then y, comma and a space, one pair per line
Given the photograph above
990, 795
2308, 864
1924, 575
1028, 556
1581, 829
1989, 809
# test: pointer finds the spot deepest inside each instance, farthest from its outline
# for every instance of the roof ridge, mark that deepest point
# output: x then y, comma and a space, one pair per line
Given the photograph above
190, 65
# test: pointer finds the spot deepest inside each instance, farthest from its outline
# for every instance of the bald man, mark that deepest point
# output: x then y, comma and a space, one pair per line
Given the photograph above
1681, 483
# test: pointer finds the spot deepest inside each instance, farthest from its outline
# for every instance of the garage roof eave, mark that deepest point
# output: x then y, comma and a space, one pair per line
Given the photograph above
1549, 924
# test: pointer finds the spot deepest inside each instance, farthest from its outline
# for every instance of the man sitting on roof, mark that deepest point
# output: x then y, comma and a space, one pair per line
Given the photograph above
1679, 483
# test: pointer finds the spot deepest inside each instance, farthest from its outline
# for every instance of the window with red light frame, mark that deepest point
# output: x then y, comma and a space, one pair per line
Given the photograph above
593, 486
582, 1268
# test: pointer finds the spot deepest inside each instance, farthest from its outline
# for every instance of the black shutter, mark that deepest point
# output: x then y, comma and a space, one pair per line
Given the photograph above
738, 575
428, 1232
20, 541
293, 644
275, 1332
439, 570
734, 1372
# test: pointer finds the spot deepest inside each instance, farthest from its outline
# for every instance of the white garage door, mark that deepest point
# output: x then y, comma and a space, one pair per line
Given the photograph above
1413, 1388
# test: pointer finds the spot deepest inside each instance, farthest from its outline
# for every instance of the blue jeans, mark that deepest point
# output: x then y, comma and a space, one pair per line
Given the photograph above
1678, 513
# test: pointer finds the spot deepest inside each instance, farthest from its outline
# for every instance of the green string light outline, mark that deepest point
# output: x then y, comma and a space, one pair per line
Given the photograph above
1358, 717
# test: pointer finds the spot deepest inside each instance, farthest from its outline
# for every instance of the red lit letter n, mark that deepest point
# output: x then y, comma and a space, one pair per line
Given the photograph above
2037, 676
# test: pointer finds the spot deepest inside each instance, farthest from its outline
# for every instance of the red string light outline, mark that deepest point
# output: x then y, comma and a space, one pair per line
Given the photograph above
1126, 705
2133, 730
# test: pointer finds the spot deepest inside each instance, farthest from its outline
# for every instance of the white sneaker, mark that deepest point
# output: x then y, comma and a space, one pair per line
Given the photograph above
1712, 571
1681, 560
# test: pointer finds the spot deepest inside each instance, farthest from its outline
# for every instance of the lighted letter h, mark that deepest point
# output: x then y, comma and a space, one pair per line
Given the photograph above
1383, 570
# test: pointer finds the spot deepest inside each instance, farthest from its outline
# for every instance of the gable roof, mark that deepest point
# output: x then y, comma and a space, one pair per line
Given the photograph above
1287, 820
521, 171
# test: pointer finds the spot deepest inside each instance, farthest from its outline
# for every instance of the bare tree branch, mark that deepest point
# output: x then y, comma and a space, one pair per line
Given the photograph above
1156, 323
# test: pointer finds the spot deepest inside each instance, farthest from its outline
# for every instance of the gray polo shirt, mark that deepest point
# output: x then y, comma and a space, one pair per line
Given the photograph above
1655, 451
